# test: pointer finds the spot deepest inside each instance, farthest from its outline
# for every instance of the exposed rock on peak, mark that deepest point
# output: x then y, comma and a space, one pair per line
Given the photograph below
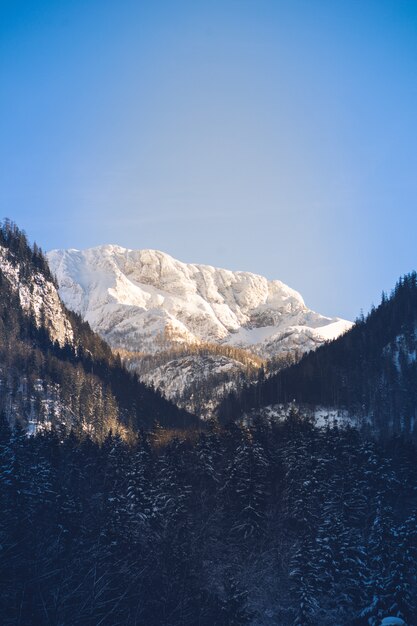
141, 299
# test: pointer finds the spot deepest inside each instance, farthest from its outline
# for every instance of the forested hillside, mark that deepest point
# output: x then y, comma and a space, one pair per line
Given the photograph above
195, 376
277, 524
53, 368
371, 371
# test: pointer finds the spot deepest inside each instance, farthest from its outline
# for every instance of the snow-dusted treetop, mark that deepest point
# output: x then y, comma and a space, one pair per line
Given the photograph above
142, 299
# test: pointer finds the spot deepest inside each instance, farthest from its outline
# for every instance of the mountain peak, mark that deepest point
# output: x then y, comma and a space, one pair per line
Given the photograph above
138, 298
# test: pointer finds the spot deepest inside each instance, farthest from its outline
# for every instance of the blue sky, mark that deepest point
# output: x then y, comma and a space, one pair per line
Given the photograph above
278, 137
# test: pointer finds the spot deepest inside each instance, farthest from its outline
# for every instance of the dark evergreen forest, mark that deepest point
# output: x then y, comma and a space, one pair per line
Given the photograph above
371, 371
276, 524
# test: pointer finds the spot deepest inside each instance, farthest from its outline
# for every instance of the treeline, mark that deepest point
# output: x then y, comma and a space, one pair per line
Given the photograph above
214, 370
80, 383
370, 371
145, 363
279, 523
30, 257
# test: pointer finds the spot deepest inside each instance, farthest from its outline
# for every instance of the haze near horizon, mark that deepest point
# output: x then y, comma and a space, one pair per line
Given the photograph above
273, 137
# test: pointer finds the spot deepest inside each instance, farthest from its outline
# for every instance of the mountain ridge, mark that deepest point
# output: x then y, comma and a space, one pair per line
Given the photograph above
146, 303
184, 302
370, 372
54, 370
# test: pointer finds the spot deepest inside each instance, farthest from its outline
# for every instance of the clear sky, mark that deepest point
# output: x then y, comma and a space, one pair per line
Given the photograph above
274, 136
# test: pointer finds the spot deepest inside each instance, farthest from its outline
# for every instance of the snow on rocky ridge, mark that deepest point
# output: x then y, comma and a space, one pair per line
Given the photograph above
147, 304
38, 296
145, 300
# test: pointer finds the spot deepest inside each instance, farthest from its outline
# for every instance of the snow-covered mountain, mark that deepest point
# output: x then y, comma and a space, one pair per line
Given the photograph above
54, 370
144, 300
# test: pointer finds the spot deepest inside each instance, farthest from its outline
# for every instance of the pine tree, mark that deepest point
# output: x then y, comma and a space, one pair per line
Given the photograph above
246, 489
304, 576
233, 609
139, 492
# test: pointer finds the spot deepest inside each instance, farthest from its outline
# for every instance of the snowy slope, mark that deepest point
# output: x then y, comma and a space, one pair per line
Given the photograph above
38, 297
145, 300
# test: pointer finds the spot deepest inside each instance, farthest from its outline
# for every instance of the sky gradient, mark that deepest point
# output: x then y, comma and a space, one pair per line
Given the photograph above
278, 137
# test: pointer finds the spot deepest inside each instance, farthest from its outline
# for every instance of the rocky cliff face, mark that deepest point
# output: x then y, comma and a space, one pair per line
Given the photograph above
38, 296
146, 302
143, 299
